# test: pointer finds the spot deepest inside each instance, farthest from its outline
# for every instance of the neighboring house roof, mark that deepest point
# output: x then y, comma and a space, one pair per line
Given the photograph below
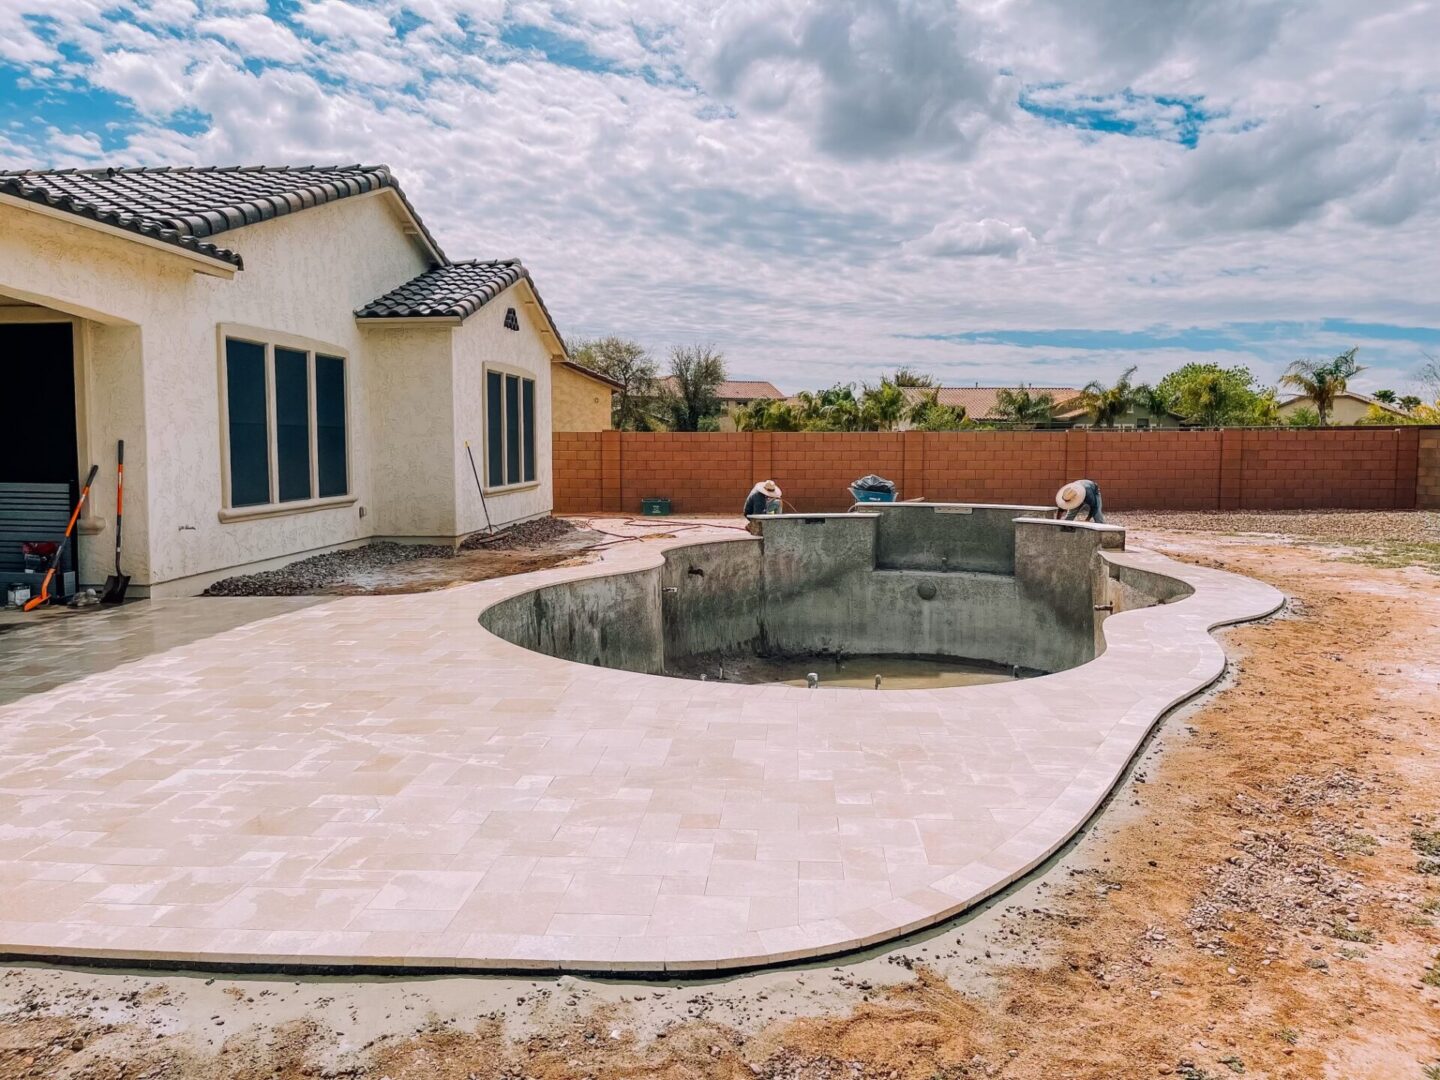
1300, 399
183, 206
736, 390
591, 373
979, 402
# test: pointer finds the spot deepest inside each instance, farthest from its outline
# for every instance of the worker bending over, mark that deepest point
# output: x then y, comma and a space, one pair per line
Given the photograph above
764, 499
1079, 495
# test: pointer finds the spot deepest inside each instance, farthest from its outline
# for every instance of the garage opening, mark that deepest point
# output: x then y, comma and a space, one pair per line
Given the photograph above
39, 460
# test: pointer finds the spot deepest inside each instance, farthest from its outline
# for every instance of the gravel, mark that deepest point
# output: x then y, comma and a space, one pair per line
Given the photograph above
1344, 526
319, 571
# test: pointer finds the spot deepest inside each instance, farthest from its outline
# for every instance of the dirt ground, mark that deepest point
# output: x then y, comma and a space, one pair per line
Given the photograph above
1260, 898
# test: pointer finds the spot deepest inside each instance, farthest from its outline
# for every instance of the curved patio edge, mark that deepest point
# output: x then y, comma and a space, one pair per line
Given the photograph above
1154, 658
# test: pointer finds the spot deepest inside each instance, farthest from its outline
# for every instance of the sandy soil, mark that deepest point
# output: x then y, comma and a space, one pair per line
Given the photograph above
1259, 899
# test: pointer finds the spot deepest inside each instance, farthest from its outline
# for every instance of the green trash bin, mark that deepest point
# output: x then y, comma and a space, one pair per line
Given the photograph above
654, 507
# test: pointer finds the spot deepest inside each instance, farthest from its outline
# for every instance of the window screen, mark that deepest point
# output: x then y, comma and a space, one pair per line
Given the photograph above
330, 425
248, 423
494, 430
292, 423
527, 387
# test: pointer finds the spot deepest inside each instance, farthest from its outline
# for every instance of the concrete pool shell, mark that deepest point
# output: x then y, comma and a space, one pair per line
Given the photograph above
379, 782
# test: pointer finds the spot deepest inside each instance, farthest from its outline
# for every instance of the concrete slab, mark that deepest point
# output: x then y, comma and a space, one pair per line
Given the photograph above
379, 782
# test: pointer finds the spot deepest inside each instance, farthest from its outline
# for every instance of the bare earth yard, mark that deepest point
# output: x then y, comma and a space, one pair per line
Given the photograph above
1261, 898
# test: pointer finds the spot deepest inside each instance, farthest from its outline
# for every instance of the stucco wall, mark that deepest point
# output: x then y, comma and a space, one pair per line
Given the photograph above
305, 274
413, 469
1344, 410
578, 403
482, 340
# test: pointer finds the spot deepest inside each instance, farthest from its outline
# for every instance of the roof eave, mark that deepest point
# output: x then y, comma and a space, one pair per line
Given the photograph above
371, 321
201, 263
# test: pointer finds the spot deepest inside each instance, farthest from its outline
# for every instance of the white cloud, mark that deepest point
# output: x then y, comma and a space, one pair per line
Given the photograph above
961, 239
797, 179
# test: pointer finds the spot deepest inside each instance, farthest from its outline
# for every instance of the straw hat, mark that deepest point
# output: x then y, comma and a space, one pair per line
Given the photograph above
769, 487
1070, 496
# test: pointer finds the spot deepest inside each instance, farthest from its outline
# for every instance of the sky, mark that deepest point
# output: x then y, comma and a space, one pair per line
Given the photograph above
996, 192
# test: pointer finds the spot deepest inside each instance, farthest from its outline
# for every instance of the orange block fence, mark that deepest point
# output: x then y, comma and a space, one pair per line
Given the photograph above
1233, 469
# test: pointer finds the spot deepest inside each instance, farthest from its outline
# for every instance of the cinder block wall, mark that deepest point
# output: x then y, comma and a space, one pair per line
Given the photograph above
1250, 469
1427, 478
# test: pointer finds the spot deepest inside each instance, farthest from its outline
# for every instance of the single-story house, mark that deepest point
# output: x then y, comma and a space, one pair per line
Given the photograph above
581, 398
1349, 407
733, 395
294, 364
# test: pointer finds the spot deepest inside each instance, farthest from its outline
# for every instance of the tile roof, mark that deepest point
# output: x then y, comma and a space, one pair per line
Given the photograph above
184, 206
454, 291
737, 390
979, 401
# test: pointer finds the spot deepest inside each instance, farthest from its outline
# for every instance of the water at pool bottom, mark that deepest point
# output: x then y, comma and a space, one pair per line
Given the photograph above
850, 672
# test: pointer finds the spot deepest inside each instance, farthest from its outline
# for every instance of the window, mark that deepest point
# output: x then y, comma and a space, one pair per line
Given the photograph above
509, 429
285, 424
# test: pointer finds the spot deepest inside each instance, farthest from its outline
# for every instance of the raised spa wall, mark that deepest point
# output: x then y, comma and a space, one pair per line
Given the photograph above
983, 582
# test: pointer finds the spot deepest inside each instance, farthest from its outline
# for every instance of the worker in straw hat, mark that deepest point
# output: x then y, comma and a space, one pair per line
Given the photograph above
764, 498
1079, 495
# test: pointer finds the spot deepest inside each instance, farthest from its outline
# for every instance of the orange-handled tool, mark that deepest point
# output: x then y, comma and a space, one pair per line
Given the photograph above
36, 601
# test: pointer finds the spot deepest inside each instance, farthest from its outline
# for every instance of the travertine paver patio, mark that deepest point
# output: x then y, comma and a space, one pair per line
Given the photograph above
379, 781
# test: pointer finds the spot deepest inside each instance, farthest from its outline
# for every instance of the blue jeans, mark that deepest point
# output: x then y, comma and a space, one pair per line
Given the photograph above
1091, 505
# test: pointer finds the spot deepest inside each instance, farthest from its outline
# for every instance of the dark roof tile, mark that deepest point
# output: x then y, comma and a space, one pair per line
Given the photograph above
453, 291
185, 206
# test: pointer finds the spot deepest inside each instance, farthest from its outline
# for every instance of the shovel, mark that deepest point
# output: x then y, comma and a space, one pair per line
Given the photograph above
117, 583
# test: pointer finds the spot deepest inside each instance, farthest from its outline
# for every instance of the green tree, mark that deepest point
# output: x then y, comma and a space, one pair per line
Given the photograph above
1304, 416
908, 376
882, 407
627, 362
1388, 397
696, 372
835, 409
1156, 402
1322, 380
928, 414
766, 414
1106, 404
1213, 396
1410, 402
1023, 406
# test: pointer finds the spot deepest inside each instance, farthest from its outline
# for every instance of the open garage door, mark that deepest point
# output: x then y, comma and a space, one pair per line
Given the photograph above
39, 467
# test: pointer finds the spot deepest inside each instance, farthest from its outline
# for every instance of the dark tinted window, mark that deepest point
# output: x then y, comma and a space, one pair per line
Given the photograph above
249, 429
330, 424
528, 408
512, 429
494, 430
292, 423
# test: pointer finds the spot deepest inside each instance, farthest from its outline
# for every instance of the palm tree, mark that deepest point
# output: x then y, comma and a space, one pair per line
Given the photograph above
928, 414
882, 407
905, 375
1321, 381
1156, 402
1021, 406
765, 414
1410, 402
1386, 396
1106, 404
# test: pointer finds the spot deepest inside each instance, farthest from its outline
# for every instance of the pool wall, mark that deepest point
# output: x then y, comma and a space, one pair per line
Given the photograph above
977, 582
